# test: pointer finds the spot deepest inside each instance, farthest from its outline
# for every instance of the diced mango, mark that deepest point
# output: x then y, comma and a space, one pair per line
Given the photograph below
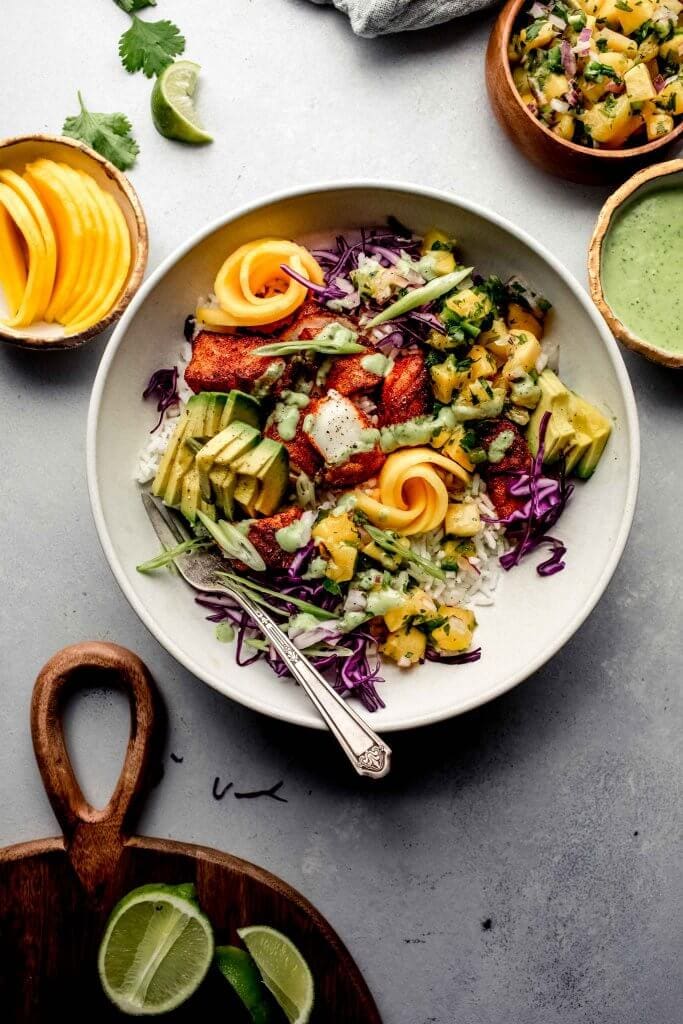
545, 35
524, 355
435, 239
672, 50
521, 319
406, 647
617, 42
456, 633
417, 603
639, 85
657, 122
339, 538
628, 15
483, 364
462, 519
378, 554
565, 126
670, 99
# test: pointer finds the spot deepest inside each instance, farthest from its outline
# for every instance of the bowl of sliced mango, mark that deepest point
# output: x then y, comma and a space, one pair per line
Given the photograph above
73, 242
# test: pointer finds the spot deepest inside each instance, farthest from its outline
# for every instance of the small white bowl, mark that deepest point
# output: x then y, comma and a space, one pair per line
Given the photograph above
532, 618
15, 153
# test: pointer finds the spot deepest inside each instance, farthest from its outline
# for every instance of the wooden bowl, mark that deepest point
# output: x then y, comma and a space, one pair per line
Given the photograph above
632, 341
538, 143
15, 153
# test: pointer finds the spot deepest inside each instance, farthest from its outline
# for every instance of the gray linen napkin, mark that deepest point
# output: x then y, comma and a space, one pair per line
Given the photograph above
376, 17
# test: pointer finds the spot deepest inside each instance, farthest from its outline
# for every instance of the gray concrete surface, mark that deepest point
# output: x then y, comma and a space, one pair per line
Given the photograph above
522, 865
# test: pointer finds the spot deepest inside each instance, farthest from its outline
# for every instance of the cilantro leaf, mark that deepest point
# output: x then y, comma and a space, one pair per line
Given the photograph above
150, 46
109, 134
129, 6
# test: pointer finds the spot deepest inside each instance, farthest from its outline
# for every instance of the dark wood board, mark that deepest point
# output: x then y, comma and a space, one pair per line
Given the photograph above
56, 894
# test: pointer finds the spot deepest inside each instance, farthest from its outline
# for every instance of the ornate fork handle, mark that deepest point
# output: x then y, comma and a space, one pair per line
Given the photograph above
368, 754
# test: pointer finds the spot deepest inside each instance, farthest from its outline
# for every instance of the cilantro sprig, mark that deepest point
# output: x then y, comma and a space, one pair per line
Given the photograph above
129, 6
150, 46
109, 134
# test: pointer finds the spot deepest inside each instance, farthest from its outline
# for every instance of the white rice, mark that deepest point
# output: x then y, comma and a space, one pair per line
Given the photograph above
476, 587
150, 455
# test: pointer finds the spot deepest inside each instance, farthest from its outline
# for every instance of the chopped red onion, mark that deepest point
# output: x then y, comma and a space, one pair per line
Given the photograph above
557, 22
538, 10
568, 59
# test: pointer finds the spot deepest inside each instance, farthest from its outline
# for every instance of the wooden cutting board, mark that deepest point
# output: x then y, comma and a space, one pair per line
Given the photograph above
56, 894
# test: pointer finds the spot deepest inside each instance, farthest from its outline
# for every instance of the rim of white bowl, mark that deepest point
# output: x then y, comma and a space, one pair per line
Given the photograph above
310, 719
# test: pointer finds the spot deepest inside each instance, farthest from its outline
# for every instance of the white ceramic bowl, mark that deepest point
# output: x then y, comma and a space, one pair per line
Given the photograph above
532, 617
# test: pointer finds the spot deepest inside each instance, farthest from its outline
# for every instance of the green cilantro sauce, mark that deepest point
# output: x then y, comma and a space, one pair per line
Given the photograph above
642, 262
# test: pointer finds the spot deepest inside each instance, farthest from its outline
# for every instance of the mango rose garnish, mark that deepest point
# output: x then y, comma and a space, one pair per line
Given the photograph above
65, 247
413, 497
251, 288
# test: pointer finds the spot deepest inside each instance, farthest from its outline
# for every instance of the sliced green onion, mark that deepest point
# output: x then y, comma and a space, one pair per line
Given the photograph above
170, 554
249, 585
233, 542
390, 544
421, 296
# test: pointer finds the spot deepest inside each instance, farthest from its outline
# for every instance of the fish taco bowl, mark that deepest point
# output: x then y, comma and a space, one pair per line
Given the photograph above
402, 424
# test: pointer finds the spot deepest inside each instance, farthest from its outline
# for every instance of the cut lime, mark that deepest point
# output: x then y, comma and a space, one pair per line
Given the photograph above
156, 949
173, 110
283, 969
239, 969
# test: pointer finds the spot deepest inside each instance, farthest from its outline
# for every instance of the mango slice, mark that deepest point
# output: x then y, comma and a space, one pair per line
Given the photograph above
32, 201
98, 265
12, 262
85, 285
252, 289
121, 260
69, 231
35, 287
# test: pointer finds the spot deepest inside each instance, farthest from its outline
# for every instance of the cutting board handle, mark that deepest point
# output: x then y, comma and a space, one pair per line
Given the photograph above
94, 838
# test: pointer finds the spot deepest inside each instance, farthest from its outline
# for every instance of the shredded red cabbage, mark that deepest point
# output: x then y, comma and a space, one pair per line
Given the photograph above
528, 526
163, 385
356, 673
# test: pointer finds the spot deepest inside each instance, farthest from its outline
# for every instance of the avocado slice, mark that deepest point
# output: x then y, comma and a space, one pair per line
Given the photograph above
274, 481
597, 428
223, 482
174, 488
166, 464
576, 428
555, 399
214, 411
196, 414
223, 449
247, 492
191, 495
268, 463
242, 407
208, 509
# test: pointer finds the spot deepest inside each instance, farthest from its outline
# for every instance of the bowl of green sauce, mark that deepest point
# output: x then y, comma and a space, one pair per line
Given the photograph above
635, 263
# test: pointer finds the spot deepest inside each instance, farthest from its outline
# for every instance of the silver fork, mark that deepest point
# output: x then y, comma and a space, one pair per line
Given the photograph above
368, 754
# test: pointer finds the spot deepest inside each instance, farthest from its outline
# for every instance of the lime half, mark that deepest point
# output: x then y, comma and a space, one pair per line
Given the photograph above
173, 110
283, 969
239, 969
156, 949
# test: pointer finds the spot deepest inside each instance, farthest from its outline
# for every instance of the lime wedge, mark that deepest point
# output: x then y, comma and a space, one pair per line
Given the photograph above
283, 969
156, 949
173, 110
239, 969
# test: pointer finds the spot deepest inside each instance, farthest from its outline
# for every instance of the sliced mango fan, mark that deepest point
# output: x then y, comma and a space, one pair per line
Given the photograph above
65, 247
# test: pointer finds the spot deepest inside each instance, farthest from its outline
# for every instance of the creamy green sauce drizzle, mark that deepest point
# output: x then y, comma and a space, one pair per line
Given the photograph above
642, 266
